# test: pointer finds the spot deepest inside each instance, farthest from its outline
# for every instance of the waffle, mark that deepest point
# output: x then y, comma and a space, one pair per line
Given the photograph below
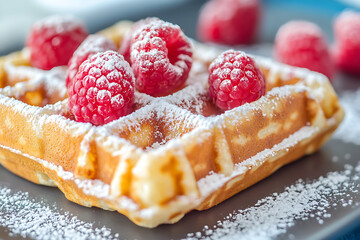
172, 154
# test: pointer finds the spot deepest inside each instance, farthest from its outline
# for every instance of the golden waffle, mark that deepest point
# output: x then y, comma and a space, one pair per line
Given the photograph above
172, 154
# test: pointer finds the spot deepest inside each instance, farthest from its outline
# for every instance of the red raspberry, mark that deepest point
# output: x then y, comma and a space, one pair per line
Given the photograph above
161, 58
303, 44
53, 40
235, 80
125, 46
90, 46
229, 21
103, 89
347, 42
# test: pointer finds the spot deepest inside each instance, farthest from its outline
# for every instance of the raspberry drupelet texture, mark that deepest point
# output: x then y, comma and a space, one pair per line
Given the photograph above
90, 46
125, 46
303, 44
103, 89
347, 42
53, 40
161, 57
229, 22
235, 80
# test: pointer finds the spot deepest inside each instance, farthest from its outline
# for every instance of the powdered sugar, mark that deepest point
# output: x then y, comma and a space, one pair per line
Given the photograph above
161, 57
94, 44
29, 79
63, 23
347, 34
349, 130
110, 62
287, 30
88, 186
91, 45
166, 111
273, 215
29, 217
213, 181
21, 73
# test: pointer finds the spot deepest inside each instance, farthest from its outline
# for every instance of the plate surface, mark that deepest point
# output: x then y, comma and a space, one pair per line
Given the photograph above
327, 216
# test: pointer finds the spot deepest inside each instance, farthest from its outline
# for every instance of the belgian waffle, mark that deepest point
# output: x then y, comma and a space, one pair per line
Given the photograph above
172, 154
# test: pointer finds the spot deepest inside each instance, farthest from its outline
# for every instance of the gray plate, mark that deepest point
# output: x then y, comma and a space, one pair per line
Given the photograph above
309, 168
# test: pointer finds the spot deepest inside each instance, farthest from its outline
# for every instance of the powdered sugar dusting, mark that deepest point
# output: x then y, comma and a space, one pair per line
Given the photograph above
94, 44
161, 57
27, 79
158, 53
54, 82
286, 31
167, 111
21, 73
270, 98
25, 216
62, 22
273, 215
111, 62
346, 26
221, 59
192, 95
349, 130
88, 186
213, 181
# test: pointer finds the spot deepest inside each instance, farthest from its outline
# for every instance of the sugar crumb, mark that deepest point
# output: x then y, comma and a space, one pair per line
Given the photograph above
275, 214
27, 217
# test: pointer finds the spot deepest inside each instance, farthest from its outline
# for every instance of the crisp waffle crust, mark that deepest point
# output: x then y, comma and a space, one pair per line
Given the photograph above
172, 154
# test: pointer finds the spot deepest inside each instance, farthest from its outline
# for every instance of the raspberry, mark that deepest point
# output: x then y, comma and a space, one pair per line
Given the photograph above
347, 42
303, 44
125, 46
229, 21
53, 40
89, 47
235, 80
161, 58
103, 89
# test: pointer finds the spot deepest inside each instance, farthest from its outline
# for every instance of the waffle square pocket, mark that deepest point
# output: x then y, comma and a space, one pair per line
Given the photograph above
171, 154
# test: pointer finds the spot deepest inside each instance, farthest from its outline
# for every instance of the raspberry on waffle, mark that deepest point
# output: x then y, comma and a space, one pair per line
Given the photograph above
234, 80
171, 154
103, 89
90, 46
161, 57
53, 40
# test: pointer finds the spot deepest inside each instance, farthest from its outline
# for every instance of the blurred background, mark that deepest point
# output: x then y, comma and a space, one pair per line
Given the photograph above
17, 16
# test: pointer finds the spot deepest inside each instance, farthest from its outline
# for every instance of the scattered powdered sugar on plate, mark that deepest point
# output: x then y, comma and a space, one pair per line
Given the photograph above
349, 130
273, 215
29, 217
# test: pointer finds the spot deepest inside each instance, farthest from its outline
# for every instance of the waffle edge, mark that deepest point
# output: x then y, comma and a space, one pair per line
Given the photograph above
198, 162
